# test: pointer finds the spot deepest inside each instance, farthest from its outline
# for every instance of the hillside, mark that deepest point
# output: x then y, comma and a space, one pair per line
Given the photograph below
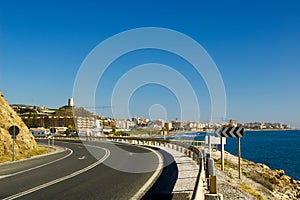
24, 143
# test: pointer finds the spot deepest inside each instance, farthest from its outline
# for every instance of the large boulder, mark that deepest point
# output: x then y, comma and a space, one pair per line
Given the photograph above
24, 142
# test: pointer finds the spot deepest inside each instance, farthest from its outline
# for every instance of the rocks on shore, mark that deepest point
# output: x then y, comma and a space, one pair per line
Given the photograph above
258, 180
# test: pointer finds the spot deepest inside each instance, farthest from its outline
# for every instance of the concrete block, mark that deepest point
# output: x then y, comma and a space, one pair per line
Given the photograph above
213, 196
211, 167
213, 185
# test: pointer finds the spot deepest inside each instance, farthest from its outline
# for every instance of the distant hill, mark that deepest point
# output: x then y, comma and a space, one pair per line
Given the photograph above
25, 141
63, 111
70, 111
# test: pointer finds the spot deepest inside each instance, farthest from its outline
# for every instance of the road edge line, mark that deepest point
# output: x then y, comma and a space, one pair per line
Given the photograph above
39, 166
142, 191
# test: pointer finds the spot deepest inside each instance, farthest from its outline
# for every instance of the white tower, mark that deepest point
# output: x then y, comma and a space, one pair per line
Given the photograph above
70, 102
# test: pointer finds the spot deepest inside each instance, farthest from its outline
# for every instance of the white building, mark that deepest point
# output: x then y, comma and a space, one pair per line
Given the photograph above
85, 122
168, 125
121, 124
157, 124
125, 124
39, 132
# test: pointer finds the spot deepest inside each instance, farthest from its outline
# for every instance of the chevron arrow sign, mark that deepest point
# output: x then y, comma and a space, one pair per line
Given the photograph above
230, 132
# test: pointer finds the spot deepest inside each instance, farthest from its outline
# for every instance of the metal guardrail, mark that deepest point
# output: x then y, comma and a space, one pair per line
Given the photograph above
200, 144
185, 147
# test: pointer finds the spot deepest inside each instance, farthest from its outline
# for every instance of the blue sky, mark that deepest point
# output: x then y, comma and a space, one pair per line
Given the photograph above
255, 45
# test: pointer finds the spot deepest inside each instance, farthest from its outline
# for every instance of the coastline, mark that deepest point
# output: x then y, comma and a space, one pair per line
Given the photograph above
273, 129
246, 129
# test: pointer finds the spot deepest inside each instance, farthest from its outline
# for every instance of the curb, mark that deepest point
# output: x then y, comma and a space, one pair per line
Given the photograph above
58, 149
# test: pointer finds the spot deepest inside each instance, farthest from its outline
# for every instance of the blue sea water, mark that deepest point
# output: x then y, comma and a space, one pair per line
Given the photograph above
278, 149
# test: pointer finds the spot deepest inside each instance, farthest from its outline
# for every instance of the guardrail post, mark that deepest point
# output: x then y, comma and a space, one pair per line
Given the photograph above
213, 185
211, 167
189, 154
206, 164
193, 153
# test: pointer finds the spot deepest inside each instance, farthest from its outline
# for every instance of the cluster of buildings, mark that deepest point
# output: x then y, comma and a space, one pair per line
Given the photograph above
34, 116
265, 125
84, 121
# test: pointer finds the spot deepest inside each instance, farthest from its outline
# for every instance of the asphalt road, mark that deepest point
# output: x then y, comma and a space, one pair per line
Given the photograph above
96, 170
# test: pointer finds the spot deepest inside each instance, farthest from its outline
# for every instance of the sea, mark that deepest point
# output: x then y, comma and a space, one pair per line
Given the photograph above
278, 149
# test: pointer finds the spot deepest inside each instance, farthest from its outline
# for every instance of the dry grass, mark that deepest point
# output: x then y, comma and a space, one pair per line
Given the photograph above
260, 178
227, 165
37, 151
251, 191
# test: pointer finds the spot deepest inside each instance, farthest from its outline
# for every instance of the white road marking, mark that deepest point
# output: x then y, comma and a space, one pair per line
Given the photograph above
39, 166
107, 153
82, 158
151, 180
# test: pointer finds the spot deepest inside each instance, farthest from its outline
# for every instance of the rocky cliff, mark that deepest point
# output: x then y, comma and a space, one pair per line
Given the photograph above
24, 143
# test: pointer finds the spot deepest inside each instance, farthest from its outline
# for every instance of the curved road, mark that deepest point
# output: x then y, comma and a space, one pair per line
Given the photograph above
76, 174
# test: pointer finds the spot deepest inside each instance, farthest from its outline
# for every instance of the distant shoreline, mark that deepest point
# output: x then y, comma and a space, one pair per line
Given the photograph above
273, 129
246, 129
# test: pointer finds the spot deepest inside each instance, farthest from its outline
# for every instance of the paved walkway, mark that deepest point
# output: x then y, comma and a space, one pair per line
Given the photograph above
187, 174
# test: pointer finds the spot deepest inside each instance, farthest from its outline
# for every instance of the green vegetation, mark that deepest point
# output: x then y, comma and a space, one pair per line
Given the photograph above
226, 164
144, 131
118, 133
246, 174
69, 111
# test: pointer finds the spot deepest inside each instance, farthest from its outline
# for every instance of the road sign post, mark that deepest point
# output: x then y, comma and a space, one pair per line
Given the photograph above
13, 150
231, 132
211, 139
13, 131
222, 154
52, 131
239, 156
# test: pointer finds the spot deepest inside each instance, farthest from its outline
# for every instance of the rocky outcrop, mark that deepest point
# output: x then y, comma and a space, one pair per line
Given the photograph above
282, 186
24, 142
258, 180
